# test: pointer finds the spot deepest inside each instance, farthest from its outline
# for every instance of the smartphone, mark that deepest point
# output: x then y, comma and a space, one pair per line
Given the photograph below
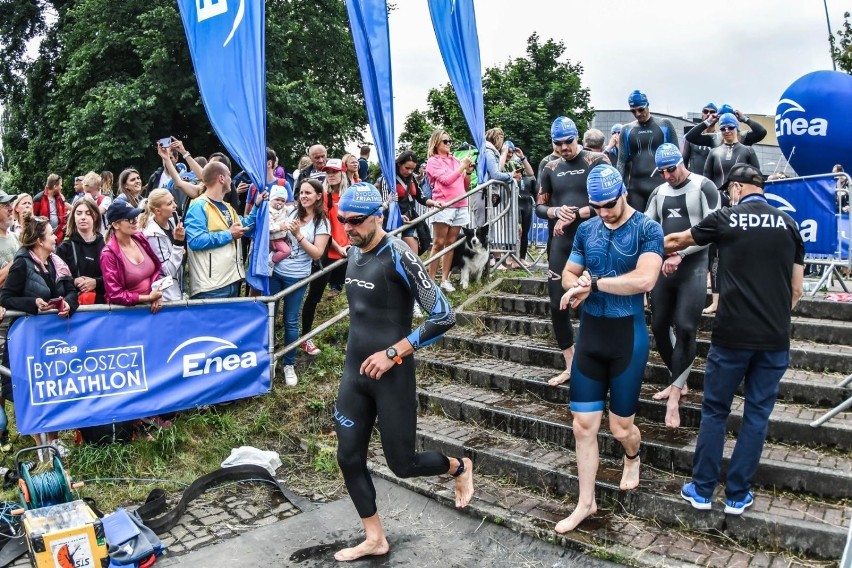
164, 142
56, 303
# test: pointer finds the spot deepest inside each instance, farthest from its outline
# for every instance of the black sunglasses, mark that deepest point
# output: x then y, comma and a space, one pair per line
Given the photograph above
566, 142
638, 110
608, 205
447, 141
708, 111
357, 219
668, 170
728, 128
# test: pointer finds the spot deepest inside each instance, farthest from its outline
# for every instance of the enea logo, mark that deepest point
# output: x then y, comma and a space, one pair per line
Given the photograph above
206, 9
203, 362
57, 347
789, 120
807, 228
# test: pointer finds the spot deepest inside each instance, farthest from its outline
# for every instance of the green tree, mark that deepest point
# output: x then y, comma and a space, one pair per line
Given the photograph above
522, 97
112, 77
841, 46
415, 134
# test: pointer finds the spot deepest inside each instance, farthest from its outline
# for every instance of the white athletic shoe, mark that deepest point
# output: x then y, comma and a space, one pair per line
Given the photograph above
447, 286
290, 378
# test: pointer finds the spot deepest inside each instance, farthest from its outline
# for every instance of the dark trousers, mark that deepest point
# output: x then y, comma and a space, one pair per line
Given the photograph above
725, 370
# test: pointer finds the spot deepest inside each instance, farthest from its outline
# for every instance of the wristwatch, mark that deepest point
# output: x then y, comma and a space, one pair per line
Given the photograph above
392, 354
594, 284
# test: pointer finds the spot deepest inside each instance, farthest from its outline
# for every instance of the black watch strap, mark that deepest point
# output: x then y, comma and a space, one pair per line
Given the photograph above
594, 283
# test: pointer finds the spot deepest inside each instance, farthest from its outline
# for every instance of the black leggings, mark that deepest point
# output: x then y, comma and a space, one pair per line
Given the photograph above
560, 250
313, 298
525, 213
394, 401
337, 277
676, 301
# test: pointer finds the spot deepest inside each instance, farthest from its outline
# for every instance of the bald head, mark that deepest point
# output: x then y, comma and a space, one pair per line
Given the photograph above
215, 176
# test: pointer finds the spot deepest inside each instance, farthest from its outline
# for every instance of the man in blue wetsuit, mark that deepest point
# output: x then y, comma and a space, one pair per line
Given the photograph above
616, 259
639, 140
383, 280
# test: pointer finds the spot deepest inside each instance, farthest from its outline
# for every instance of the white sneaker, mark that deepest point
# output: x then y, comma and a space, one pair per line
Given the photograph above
61, 448
447, 286
290, 378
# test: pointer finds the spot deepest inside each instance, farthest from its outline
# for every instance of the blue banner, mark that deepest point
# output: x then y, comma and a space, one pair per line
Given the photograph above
226, 42
454, 22
368, 20
101, 367
844, 231
811, 203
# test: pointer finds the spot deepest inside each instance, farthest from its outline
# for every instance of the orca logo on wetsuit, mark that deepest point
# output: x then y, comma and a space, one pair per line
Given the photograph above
571, 173
360, 283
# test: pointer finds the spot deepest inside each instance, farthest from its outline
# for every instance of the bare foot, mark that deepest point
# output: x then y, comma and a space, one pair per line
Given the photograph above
562, 377
711, 309
663, 394
630, 477
464, 485
673, 413
366, 548
581, 512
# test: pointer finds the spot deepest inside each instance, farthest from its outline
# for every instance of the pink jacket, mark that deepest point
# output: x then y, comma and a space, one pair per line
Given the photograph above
446, 180
112, 267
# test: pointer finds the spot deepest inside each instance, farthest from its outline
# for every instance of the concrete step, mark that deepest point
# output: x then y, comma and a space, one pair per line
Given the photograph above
834, 358
795, 423
816, 330
776, 523
518, 395
808, 307
817, 388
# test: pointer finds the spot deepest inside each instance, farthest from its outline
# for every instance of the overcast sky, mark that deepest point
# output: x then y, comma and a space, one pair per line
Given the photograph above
682, 53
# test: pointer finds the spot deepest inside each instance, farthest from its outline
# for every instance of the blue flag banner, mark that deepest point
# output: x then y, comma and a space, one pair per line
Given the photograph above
226, 42
69, 373
844, 231
454, 22
368, 20
811, 203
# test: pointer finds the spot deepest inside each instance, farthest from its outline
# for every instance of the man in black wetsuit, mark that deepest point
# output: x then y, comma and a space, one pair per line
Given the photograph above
639, 140
684, 200
383, 280
564, 202
704, 136
694, 155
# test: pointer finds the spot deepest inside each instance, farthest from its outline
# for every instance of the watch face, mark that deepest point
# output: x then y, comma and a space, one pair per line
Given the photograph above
391, 353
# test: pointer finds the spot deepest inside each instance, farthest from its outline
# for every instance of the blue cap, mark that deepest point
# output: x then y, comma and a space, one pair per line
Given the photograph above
604, 183
616, 129
711, 105
729, 119
511, 145
726, 109
180, 168
667, 155
637, 99
563, 127
362, 198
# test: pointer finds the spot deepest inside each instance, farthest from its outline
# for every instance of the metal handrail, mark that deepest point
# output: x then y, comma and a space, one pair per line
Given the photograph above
345, 312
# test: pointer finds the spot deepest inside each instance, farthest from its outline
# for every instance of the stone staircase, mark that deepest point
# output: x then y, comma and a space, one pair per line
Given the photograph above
482, 392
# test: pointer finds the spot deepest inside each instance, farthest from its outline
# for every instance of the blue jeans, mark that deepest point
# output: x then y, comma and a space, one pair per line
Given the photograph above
292, 305
725, 370
230, 291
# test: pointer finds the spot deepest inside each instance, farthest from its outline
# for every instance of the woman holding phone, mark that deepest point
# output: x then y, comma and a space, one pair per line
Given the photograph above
38, 281
167, 237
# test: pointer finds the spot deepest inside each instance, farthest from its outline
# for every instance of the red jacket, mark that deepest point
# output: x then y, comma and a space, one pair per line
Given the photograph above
41, 208
112, 268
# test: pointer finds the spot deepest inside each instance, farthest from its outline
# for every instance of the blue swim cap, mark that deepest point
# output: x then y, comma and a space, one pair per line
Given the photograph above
667, 155
726, 109
604, 183
711, 106
616, 129
563, 127
637, 99
511, 145
362, 198
729, 119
